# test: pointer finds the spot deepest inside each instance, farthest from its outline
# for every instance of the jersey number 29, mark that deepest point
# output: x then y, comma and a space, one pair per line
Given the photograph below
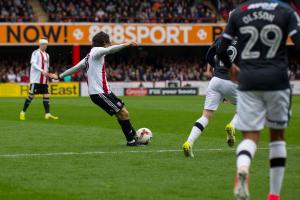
273, 43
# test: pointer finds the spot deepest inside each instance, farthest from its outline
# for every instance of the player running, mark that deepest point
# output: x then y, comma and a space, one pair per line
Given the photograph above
39, 79
100, 94
262, 28
219, 88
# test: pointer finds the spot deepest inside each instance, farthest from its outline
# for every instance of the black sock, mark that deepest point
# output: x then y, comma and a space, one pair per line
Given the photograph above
46, 105
127, 129
27, 103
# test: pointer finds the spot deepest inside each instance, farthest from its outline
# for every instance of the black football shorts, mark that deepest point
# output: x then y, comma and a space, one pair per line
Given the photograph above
110, 103
37, 88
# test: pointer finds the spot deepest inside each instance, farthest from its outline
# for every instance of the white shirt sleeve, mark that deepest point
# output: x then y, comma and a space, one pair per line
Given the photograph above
101, 51
70, 71
48, 61
34, 61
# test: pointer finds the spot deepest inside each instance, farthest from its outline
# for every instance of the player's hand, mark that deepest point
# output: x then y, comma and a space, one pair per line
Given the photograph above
234, 73
132, 43
208, 74
53, 76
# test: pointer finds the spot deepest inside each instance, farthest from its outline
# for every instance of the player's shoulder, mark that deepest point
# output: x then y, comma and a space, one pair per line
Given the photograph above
97, 48
262, 4
217, 42
240, 8
283, 5
35, 52
96, 51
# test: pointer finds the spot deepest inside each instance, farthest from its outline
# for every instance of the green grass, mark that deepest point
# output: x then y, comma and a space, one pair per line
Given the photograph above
121, 174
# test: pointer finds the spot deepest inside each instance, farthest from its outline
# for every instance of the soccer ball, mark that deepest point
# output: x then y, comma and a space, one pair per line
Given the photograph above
144, 135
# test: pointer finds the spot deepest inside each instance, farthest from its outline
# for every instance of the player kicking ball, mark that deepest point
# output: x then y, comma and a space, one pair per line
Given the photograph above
220, 87
39, 79
264, 93
100, 94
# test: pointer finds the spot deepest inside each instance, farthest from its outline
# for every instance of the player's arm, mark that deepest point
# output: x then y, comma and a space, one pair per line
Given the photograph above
294, 28
210, 55
74, 69
296, 40
222, 51
227, 37
34, 62
101, 51
210, 59
224, 57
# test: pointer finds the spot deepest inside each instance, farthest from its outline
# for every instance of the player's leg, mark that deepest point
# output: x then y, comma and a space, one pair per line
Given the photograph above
199, 126
127, 128
278, 110
277, 156
46, 102
212, 100
230, 130
27, 102
115, 106
245, 153
229, 91
251, 110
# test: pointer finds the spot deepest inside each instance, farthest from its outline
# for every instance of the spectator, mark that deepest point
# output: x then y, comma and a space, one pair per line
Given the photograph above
128, 11
11, 76
16, 11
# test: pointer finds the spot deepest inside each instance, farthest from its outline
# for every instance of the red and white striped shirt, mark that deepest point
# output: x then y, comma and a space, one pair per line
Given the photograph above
39, 63
94, 64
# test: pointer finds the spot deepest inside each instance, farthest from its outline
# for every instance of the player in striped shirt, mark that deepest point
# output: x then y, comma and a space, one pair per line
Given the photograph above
39, 74
99, 91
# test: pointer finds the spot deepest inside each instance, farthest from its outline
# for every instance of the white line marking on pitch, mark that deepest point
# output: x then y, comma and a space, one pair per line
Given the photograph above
115, 152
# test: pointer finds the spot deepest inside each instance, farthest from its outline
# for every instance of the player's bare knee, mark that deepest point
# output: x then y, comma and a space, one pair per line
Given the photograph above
208, 114
123, 114
31, 96
276, 135
251, 135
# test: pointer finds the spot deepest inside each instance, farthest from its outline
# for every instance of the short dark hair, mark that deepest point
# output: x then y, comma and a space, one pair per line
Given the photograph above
100, 39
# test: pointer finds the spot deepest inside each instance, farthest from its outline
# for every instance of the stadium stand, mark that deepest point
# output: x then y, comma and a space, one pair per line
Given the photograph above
16, 11
128, 11
17, 70
154, 11
139, 11
171, 68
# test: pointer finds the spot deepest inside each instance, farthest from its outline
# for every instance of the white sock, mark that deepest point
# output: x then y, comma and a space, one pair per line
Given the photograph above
234, 120
197, 129
245, 152
277, 165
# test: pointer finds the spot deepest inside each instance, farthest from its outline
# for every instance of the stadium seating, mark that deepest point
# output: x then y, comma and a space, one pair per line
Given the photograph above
16, 11
128, 11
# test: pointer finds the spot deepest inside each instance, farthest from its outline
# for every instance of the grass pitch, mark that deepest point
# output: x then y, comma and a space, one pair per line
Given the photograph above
82, 156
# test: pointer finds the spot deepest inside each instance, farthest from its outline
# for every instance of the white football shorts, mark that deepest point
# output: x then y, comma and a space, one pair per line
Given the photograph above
257, 109
219, 89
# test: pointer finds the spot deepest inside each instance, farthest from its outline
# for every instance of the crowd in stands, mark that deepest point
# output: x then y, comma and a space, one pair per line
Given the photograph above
16, 11
17, 70
13, 70
165, 69
127, 11
144, 11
